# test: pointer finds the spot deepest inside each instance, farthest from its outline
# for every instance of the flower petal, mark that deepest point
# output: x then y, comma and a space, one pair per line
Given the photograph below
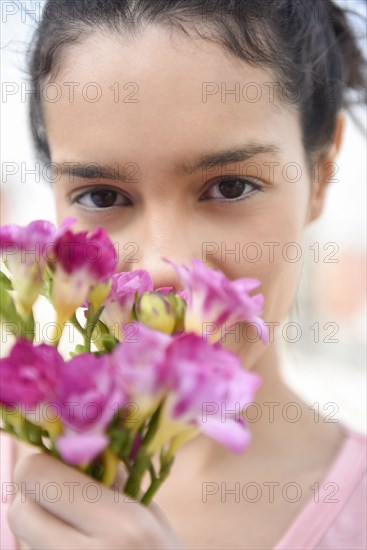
232, 435
80, 448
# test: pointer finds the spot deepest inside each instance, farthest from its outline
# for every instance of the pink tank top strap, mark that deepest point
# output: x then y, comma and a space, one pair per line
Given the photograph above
343, 478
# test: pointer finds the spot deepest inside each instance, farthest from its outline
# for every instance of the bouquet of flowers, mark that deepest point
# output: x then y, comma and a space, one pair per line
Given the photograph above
151, 372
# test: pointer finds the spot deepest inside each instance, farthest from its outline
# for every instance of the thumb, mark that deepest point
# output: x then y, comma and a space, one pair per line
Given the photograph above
119, 484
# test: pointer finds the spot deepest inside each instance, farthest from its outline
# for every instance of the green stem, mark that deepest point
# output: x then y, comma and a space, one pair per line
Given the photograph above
152, 472
74, 321
153, 426
132, 485
92, 319
142, 461
152, 489
157, 482
27, 327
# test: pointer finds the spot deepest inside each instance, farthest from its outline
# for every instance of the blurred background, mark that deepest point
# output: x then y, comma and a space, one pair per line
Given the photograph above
326, 365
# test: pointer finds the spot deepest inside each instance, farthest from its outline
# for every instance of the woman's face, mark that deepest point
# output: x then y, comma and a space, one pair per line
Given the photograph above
195, 156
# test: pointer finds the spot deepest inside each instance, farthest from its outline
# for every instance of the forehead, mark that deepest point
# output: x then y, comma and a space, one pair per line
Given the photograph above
162, 91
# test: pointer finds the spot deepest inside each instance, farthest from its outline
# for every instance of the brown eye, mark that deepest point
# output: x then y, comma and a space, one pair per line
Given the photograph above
104, 199
232, 189
99, 198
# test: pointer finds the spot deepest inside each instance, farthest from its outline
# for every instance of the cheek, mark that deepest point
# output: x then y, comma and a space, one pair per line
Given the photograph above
273, 256
268, 246
282, 258
278, 270
277, 263
280, 280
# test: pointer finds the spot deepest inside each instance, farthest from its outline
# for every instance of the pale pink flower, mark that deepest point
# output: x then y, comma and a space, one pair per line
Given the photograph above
213, 298
120, 301
88, 397
208, 392
27, 251
141, 363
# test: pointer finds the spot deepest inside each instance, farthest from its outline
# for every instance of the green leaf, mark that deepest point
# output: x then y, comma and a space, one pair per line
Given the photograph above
77, 350
8, 312
34, 432
119, 440
28, 328
5, 281
109, 342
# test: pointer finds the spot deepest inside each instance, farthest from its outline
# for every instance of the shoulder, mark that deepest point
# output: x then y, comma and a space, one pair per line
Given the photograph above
354, 450
335, 518
348, 527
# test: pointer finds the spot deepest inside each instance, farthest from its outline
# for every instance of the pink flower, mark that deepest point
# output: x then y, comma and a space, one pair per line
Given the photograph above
82, 261
208, 390
212, 298
142, 367
27, 250
167, 289
94, 254
32, 240
164, 290
30, 375
120, 301
88, 397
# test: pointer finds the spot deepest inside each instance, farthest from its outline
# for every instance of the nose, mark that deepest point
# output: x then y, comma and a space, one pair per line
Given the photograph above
165, 227
157, 235
162, 273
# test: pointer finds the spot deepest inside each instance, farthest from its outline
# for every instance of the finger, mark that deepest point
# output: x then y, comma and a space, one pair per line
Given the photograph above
73, 496
162, 519
40, 529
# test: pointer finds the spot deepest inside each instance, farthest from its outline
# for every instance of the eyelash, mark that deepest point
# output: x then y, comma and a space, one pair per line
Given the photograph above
256, 187
97, 189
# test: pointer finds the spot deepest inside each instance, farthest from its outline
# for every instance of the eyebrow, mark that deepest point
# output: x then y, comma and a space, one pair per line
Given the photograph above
91, 171
235, 154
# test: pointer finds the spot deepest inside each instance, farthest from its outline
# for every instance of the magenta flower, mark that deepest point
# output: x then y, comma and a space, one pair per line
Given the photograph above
26, 250
95, 253
30, 375
208, 390
82, 261
120, 301
212, 298
88, 397
142, 368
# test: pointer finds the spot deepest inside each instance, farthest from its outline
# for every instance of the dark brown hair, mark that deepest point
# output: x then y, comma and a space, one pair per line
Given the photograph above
308, 44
